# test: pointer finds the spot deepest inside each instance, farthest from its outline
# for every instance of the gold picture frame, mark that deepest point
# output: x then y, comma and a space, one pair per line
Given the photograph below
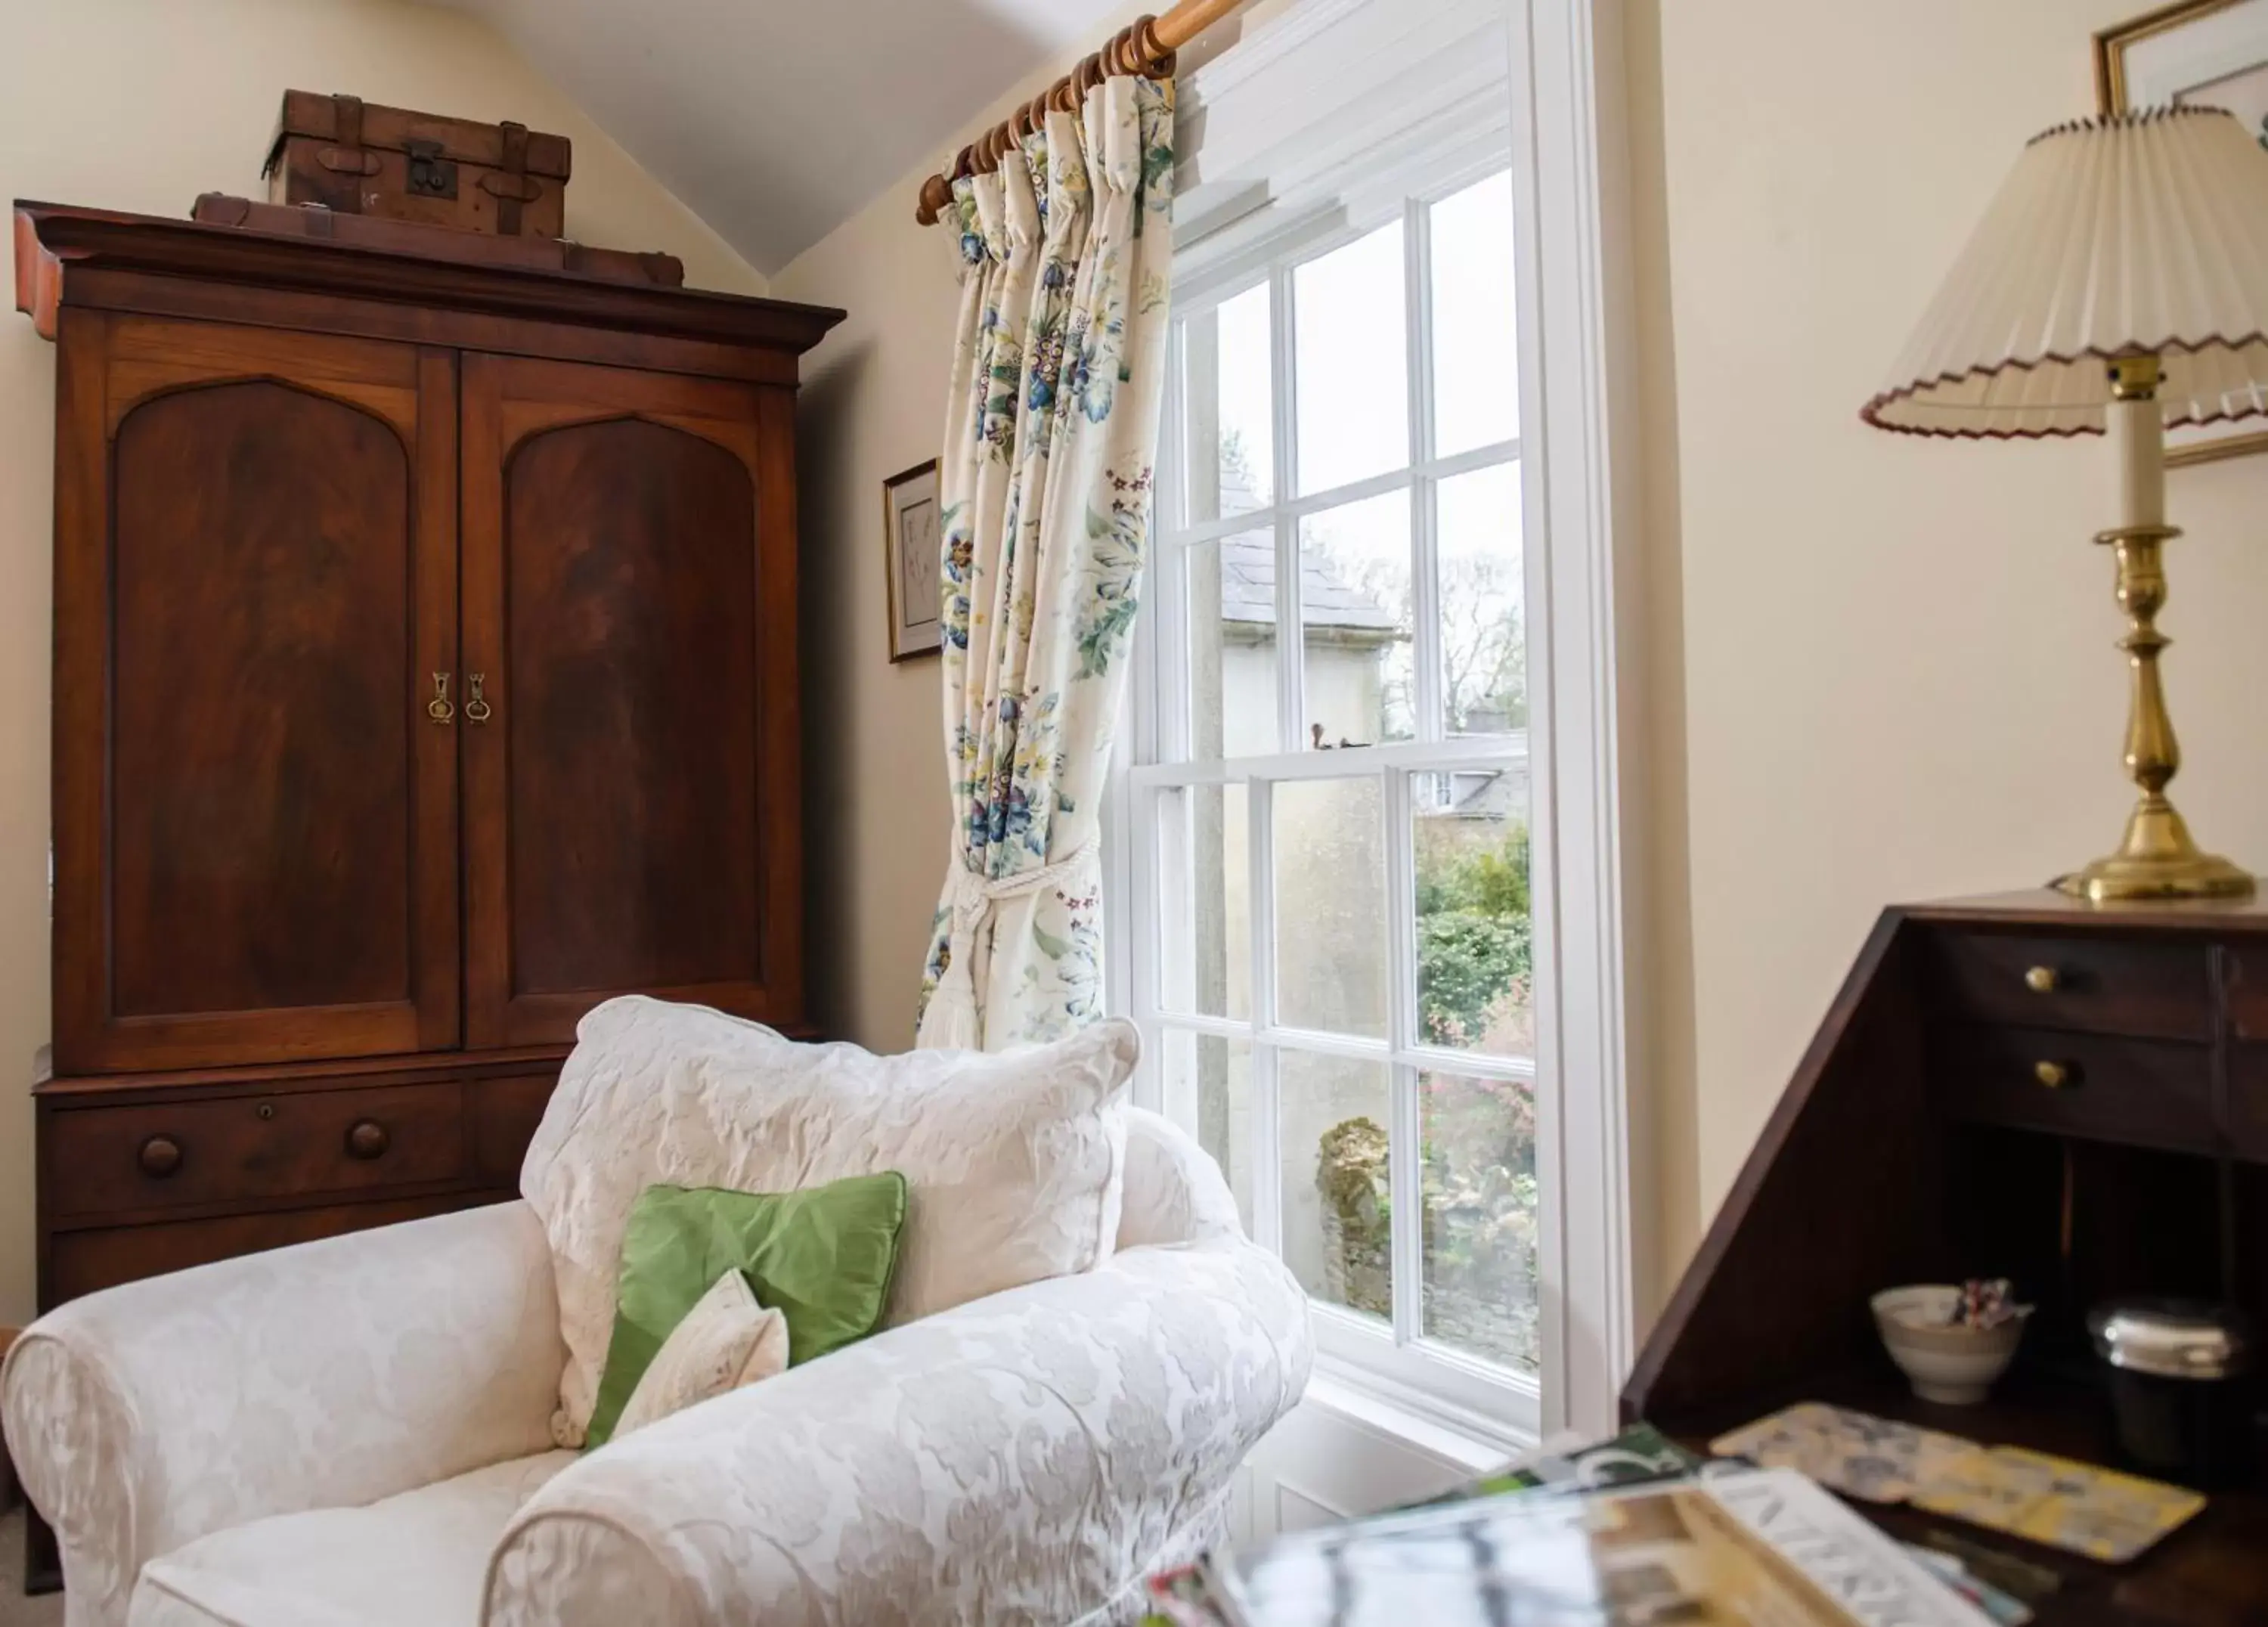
911, 563
2166, 55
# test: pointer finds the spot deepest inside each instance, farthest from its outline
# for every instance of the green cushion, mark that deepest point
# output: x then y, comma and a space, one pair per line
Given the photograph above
823, 1256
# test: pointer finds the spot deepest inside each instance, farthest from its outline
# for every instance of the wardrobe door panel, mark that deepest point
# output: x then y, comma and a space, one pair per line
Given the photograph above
618, 615
255, 839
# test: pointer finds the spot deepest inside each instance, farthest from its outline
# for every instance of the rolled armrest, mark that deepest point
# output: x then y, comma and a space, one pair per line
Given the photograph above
325, 1375
1026, 1458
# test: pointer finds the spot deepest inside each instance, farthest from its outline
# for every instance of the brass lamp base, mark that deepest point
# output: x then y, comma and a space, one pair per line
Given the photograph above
2157, 860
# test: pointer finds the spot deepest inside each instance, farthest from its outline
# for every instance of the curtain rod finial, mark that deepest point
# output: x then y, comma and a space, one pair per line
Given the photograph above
936, 193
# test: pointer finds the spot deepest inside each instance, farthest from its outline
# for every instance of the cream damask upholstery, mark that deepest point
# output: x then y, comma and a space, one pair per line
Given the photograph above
358, 1431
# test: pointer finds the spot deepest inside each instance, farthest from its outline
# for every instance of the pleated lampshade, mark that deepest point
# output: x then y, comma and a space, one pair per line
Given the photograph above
2137, 232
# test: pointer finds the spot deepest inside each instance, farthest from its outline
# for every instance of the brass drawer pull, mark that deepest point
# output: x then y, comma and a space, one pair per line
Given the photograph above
159, 1157
368, 1139
2042, 980
440, 709
2056, 1075
476, 705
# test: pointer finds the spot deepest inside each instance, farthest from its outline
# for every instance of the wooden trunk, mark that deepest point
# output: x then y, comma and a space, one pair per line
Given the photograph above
425, 674
356, 158
2020, 1086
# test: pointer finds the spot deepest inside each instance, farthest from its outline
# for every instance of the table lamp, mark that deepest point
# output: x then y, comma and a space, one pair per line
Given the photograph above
2119, 282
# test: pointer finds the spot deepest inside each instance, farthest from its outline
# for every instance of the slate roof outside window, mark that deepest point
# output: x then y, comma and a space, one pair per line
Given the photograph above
1247, 589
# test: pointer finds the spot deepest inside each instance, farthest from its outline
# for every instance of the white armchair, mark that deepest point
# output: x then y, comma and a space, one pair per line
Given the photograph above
358, 1431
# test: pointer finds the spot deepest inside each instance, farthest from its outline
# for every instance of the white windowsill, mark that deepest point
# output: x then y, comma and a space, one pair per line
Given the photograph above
1475, 1443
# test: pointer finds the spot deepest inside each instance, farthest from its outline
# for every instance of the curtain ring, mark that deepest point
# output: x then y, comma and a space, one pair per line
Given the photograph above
1115, 52
1158, 61
964, 164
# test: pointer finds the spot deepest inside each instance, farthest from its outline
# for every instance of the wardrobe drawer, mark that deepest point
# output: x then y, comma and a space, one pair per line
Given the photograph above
81, 1263
505, 1113
2154, 989
232, 1149
2149, 1091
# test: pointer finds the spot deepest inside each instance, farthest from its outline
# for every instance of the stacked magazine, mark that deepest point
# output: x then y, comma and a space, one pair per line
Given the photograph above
1612, 1544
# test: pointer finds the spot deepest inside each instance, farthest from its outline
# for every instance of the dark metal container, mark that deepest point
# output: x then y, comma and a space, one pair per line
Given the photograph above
2182, 1388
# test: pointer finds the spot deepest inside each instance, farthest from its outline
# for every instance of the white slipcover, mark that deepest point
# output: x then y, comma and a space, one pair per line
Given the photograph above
1027, 1457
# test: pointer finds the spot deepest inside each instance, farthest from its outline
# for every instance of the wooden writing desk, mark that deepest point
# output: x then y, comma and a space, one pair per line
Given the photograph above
1918, 1143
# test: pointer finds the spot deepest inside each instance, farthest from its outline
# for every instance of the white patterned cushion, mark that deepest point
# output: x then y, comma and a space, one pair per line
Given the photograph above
1014, 1163
415, 1560
726, 1340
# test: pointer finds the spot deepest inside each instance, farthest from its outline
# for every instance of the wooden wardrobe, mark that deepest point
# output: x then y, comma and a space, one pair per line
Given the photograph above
425, 673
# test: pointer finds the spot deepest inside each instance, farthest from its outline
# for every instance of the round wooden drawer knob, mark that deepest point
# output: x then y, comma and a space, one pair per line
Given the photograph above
368, 1139
160, 1156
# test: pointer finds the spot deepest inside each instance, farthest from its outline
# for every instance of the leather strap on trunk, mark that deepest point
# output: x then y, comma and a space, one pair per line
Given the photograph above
515, 165
345, 156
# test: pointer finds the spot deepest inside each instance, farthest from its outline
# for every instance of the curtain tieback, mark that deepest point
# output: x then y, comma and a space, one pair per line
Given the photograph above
950, 1021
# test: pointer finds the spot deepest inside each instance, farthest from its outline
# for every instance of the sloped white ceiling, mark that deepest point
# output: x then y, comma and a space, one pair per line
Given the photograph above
774, 121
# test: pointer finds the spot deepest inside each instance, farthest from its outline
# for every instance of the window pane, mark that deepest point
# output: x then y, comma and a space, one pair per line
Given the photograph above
1204, 950
1336, 1212
1355, 618
1232, 601
1483, 592
1330, 906
1474, 982
1475, 346
1208, 1082
1478, 1151
1351, 362
1229, 434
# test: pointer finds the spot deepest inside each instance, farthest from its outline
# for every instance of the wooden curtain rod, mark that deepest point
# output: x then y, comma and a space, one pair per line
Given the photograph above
1146, 45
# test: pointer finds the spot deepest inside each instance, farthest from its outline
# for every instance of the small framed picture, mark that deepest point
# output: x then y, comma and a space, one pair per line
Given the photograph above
2212, 52
911, 534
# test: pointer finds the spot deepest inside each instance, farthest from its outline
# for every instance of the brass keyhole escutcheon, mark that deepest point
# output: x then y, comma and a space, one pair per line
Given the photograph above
476, 706
2054, 1075
2042, 980
440, 709
265, 1111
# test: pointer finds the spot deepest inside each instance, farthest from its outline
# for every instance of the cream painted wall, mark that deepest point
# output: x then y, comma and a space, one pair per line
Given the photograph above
141, 105
1884, 667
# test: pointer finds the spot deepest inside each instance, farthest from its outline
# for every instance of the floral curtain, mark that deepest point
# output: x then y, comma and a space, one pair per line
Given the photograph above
1045, 484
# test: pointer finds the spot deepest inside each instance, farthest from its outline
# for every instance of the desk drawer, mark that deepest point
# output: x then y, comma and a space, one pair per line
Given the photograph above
2248, 990
2248, 1101
277, 1144
2149, 1091
2158, 990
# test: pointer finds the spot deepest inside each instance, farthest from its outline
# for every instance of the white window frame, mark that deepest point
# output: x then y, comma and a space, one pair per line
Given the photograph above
1575, 453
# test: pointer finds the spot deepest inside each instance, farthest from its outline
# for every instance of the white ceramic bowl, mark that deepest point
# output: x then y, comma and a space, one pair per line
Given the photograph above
1955, 1367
